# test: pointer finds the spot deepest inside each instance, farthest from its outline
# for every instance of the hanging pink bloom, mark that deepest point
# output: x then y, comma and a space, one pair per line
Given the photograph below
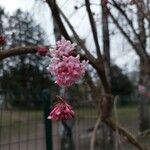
2, 40
42, 51
68, 70
63, 48
61, 111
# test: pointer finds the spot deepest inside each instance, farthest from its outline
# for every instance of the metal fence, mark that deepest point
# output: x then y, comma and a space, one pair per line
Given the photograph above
21, 130
84, 122
25, 129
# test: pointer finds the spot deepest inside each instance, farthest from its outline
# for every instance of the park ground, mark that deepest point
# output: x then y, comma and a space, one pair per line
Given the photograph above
21, 130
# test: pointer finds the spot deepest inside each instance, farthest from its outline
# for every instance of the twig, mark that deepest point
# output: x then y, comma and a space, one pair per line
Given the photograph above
91, 58
93, 27
117, 140
146, 15
144, 133
17, 51
111, 123
93, 137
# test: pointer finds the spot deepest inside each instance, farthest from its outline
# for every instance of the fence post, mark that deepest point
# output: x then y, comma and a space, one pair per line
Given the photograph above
46, 97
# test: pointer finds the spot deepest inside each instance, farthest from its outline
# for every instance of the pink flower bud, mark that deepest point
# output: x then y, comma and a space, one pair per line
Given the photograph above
2, 40
61, 111
42, 51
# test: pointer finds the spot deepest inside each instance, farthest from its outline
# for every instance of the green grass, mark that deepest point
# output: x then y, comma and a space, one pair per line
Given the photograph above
14, 121
127, 116
124, 112
21, 120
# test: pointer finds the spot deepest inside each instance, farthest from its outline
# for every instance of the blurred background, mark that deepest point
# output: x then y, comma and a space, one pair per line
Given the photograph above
27, 90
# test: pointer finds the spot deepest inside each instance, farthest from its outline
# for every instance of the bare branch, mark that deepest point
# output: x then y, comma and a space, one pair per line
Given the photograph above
139, 50
93, 137
122, 131
93, 26
106, 38
17, 51
55, 12
91, 58
145, 14
118, 7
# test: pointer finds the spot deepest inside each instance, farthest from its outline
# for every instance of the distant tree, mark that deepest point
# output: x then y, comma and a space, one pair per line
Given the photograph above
121, 85
25, 72
24, 86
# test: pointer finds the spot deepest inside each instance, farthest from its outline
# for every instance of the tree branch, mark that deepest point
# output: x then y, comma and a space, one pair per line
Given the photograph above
17, 51
111, 123
98, 64
93, 27
93, 137
55, 12
89, 56
146, 15
116, 5
137, 47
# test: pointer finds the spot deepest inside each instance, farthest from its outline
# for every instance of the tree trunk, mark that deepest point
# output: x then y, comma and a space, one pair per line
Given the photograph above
144, 120
144, 68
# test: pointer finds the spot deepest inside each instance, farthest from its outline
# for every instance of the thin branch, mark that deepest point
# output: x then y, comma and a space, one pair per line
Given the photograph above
118, 7
55, 12
111, 123
136, 47
144, 133
93, 27
17, 51
93, 137
91, 58
146, 15
117, 140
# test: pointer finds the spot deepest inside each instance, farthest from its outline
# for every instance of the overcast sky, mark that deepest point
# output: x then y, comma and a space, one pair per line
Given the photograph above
41, 13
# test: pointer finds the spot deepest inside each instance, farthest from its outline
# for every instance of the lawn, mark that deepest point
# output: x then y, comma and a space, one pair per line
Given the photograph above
13, 122
25, 122
127, 116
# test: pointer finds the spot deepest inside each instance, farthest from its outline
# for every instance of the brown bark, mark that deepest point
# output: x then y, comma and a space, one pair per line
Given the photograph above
144, 71
139, 45
93, 26
144, 120
106, 48
17, 51
56, 16
124, 132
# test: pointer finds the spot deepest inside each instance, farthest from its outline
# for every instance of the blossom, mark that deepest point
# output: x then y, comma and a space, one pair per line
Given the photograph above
61, 111
63, 48
2, 40
42, 51
68, 70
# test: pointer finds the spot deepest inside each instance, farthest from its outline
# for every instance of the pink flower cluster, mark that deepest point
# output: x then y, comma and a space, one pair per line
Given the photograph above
63, 48
66, 68
61, 111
